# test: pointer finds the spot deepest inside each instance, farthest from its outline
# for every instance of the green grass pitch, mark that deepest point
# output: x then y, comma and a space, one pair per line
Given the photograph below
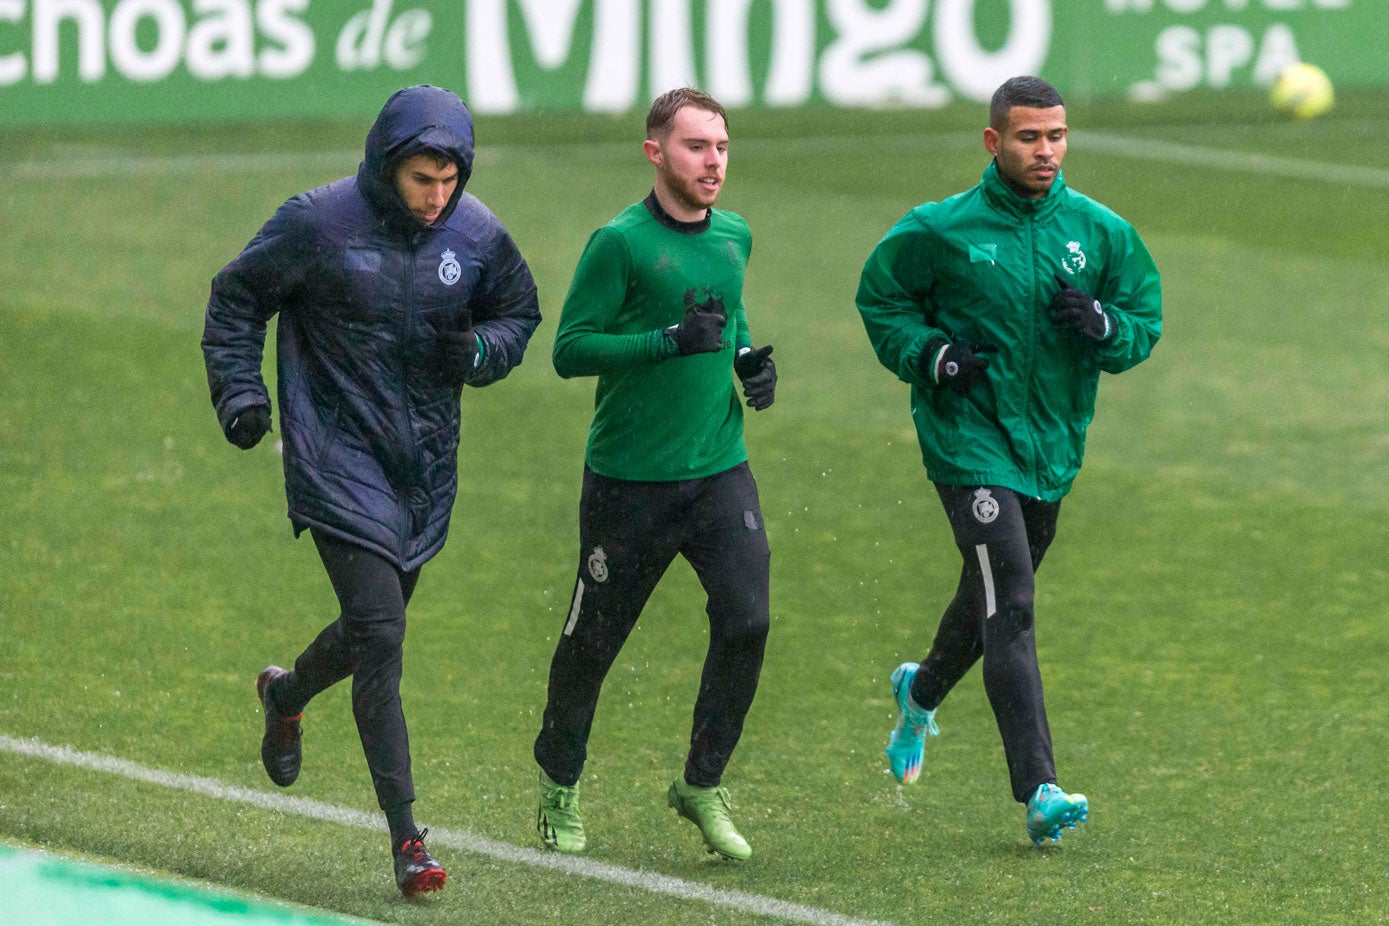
1212, 620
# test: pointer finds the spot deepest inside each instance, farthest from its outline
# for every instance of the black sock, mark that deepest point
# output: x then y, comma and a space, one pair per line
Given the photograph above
402, 823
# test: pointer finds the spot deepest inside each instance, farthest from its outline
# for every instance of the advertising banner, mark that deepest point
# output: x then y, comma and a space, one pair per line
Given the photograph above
110, 61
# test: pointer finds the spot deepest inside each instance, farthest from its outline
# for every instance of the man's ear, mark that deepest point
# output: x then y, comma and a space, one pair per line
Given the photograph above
652, 149
991, 140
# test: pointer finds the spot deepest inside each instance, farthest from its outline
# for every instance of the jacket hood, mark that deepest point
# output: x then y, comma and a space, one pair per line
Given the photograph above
414, 120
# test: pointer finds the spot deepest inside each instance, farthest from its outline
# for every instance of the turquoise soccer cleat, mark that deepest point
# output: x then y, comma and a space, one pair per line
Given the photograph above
1050, 809
907, 743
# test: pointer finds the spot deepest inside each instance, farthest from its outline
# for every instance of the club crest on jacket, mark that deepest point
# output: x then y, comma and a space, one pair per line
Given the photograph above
1074, 261
449, 268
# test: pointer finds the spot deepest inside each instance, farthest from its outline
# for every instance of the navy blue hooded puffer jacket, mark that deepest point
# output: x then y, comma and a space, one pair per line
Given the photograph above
362, 288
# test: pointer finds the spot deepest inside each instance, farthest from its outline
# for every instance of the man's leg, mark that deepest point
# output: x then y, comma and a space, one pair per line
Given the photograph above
626, 546
334, 655
959, 640
1049, 809
366, 643
958, 644
727, 546
992, 532
725, 542
1012, 679
919, 688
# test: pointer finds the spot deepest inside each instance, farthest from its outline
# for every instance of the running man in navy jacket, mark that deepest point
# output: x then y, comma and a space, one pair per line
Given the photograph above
395, 289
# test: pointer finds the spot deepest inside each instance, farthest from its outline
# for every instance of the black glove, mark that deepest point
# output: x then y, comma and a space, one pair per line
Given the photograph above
701, 330
452, 356
1076, 310
958, 367
249, 426
758, 373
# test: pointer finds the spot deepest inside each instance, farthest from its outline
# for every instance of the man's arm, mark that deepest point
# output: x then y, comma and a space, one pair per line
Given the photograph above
738, 321
506, 314
1132, 298
583, 345
245, 294
892, 291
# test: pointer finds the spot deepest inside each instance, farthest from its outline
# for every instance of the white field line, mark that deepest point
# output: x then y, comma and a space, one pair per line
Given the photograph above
123, 164
1244, 162
82, 165
460, 840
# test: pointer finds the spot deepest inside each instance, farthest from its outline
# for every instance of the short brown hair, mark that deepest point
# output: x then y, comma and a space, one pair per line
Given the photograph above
665, 106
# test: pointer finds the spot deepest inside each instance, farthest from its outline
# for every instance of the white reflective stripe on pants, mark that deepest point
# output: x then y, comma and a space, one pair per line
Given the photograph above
574, 609
990, 599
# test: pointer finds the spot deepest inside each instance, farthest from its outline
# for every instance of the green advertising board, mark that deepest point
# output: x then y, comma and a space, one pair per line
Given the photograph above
71, 61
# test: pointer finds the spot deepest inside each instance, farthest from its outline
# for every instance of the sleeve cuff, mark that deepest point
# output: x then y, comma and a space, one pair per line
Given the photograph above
663, 343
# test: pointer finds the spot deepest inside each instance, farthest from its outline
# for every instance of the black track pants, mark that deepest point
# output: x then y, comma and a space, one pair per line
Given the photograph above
629, 533
365, 642
1002, 537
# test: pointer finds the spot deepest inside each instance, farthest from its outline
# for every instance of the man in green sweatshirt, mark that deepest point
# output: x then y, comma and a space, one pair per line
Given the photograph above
655, 311
1001, 306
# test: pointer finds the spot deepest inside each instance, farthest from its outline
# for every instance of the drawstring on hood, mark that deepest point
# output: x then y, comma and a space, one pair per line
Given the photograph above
414, 120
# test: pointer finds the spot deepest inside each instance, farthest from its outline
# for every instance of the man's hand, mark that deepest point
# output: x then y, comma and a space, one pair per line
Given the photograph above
1076, 310
249, 426
699, 332
758, 373
452, 356
958, 367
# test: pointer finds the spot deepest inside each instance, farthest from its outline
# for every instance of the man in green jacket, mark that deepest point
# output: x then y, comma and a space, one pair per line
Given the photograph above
1000, 306
654, 300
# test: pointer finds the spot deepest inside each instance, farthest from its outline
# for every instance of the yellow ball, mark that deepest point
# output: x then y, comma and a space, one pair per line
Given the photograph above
1302, 91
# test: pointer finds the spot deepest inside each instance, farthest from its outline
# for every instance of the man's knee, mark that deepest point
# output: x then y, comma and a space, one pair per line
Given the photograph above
1015, 615
366, 638
741, 626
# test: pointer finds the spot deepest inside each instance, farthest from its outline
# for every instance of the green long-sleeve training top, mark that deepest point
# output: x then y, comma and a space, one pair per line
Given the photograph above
658, 416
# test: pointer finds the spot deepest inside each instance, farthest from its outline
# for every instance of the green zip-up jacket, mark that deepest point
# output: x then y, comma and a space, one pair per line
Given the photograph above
658, 416
981, 266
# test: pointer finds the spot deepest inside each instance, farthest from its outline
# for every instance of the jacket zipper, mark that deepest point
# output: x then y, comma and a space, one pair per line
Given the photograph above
408, 431
1030, 443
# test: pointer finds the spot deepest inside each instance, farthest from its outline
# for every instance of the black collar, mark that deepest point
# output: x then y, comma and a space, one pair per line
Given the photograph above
653, 206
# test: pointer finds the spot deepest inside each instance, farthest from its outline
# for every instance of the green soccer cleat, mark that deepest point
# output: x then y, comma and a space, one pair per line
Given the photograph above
558, 821
1050, 809
906, 744
707, 808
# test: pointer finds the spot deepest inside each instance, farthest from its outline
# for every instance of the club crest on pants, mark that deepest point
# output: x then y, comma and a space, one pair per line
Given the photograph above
985, 507
598, 565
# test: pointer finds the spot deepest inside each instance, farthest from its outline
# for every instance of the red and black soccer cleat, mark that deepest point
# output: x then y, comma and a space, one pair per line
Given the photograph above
281, 749
416, 871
